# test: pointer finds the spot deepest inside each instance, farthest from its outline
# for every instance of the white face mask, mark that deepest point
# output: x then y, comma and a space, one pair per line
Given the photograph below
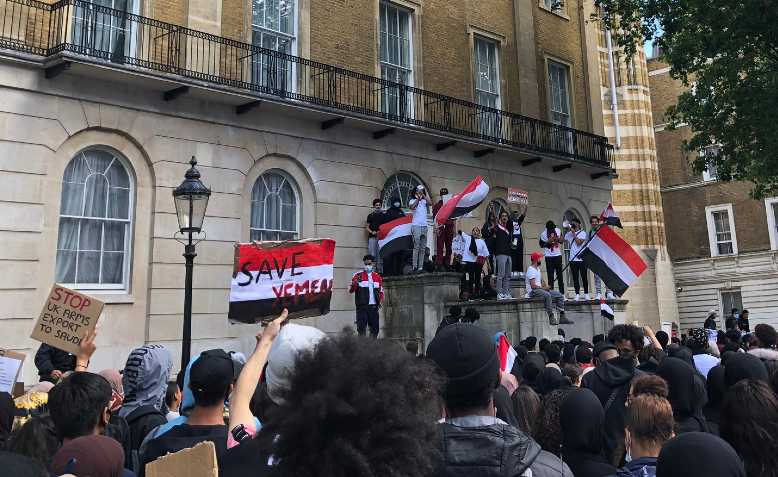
368, 268
396, 204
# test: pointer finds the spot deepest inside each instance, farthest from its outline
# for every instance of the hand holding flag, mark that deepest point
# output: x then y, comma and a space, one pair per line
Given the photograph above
464, 202
609, 217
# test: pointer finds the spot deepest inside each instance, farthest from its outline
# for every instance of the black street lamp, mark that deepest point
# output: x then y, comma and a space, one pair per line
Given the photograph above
191, 199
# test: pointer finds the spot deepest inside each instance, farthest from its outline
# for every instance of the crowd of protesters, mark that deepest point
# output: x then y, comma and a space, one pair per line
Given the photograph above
632, 403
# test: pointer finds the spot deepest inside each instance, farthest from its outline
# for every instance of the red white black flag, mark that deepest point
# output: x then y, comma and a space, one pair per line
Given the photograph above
609, 217
613, 260
464, 202
270, 276
395, 236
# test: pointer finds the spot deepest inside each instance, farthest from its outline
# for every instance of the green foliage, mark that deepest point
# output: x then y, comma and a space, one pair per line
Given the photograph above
726, 52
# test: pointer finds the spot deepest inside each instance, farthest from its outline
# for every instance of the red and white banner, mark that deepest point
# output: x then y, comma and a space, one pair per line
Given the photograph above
517, 196
506, 352
464, 202
270, 276
395, 236
613, 260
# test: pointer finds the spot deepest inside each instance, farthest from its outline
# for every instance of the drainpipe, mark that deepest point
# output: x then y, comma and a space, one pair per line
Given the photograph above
612, 81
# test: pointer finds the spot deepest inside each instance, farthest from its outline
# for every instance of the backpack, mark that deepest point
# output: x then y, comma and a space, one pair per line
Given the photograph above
142, 421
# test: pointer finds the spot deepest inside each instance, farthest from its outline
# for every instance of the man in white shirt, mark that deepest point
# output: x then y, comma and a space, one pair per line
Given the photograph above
577, 238
551, 240
419, 227
537, 287
700, 345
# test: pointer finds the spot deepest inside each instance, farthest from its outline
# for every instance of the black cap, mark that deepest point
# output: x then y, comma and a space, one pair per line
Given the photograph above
603, 346
212, 372
468, 357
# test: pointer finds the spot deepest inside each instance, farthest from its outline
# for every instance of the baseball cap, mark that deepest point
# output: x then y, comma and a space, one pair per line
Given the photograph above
536, 256
467, 356
419, 187
212, 372
292, 340
603, 346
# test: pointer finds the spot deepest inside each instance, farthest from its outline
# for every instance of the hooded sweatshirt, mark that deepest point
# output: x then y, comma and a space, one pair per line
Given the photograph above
687, 394
610, 383
581, 417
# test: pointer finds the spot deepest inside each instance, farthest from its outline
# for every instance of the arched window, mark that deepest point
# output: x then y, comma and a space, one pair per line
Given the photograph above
95, 221
400, 185
498, 206
274, 208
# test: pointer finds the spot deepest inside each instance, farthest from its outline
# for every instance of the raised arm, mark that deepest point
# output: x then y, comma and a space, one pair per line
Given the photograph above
240, 413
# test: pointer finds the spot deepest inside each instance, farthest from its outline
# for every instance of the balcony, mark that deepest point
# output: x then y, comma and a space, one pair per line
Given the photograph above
75, 31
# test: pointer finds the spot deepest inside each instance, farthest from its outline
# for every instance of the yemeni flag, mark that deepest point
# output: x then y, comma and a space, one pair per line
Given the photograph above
613, 260
464, 202
605, 310
609, 217
270, 276
505, 351
395, 236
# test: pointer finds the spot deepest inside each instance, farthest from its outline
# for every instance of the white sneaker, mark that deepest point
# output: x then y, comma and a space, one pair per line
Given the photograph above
577, 297
610, 296
500, 296
587, 297
521, 274
599, 296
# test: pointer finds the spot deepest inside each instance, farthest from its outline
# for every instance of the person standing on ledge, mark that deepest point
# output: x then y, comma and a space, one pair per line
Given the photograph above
517, 241
444, 236
551, 241
368, 289
374, 221
419, 227
502, 257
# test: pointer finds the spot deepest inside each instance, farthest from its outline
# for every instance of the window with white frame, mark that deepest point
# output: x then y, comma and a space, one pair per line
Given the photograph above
710, 173
274, 208
274, 26
558, 83
95, 222
103, 31
487, 84
721, 230
395, 57
771, 205
554, 5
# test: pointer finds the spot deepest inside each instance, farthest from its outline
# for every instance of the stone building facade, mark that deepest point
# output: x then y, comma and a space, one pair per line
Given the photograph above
723, 243
104, 104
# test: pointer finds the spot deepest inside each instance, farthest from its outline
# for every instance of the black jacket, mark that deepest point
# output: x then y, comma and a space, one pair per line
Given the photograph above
49, 358
498, 450
141, 421
502, 239
610, 382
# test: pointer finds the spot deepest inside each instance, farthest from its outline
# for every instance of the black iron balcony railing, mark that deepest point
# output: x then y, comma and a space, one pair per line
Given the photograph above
126, 40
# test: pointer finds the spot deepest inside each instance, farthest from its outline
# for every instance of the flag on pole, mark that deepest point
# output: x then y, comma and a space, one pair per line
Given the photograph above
505, 351
609, 217
395, 236
464, 202
605, 309
613, 260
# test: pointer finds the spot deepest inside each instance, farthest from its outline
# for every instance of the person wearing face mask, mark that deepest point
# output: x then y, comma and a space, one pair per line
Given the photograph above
373, 222
393, 263
368, 289
517, 241
576, 238
502, 256
419, 227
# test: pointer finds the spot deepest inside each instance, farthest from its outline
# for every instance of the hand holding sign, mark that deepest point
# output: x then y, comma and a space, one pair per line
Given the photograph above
272, 329
86, 349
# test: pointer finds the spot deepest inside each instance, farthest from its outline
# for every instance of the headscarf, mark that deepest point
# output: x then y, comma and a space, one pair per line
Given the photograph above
533, 365
145, 378
687, 390
716, 388
698, 454
582, 422
117, 390
551, 379
42, 387
698, 338
740, 366
93, 456
7, 412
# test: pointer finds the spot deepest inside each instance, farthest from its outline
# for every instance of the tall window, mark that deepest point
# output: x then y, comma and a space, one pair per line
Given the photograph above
395, 57
772, 220
100, 30
558, 81
274, 208
710, 173
731, 299
95, 222
273, 26
721, 230
401, 185
487, 84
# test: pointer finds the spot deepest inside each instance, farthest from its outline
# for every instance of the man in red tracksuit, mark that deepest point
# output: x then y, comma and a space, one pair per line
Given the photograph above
444, 235
368, 289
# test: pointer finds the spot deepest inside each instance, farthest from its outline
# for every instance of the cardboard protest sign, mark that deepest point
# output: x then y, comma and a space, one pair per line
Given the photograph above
10, 365
270, 276
66, 318
517, 196
197, 461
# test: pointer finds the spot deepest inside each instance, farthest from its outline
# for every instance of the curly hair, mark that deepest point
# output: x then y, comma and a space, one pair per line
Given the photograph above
548, 428
766, 334
748, 423
629, 333
356, 407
